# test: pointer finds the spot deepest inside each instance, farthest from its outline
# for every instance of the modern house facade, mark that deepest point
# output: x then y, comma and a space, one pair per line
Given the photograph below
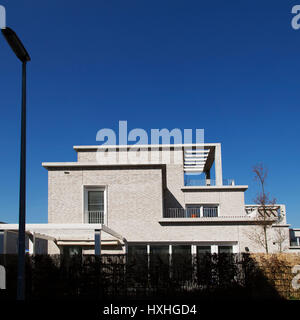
152, 199
156, 197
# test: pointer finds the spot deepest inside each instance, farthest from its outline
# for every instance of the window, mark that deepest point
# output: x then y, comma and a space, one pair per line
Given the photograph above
225, 249
193, 210
202, 210
94, 205
210, 211
159, 254
204, 265
137, 265
70, 251
159, 263
295, 241
203, 250
182, 262
137, 250
95, 200
181, 254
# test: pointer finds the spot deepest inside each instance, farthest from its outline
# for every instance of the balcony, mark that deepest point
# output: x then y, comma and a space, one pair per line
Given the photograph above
207, 214
194, 182
201, 212
94, 217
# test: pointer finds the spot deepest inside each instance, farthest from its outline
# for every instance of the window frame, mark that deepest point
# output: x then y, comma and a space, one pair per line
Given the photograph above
86, 189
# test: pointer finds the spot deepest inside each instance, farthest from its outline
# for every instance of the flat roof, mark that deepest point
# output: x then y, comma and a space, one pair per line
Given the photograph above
197, 158
96, 164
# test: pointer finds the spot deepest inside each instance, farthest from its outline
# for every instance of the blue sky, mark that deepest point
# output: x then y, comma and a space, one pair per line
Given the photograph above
230, 67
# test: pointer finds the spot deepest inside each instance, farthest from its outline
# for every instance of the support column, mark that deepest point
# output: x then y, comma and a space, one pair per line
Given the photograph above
207, 177
218, 165
214, 249
2, 268
2, 278
2, 248
170, 262
235, 248
98, 242
126, 247
194, 262
31, 244
194, 249
148, 262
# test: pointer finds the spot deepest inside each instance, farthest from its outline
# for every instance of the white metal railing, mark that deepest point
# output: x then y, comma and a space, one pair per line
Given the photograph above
94, 217
210, 212
194, 182
205, 212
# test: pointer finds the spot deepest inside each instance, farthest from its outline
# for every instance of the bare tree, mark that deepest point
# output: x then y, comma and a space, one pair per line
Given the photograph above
280, 238
259, 236
265, 212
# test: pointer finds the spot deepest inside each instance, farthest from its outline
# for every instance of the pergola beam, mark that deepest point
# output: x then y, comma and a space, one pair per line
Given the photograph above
34, 229
52, 226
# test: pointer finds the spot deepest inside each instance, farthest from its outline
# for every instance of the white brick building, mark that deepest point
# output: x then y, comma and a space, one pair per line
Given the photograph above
156, 198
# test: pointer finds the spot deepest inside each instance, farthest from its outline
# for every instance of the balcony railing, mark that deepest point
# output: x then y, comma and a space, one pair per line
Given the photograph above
94, 217
210, 212
205, 212
194, 182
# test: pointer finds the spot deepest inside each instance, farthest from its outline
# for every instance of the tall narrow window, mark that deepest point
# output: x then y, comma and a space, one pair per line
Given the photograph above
137, 262
204, 265
94, 206
182, 262
159, 263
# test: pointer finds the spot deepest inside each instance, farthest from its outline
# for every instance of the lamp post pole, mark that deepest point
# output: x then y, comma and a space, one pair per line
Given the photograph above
22, 199
18, 48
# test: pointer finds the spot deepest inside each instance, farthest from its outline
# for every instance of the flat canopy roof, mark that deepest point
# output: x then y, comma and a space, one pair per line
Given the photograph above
197, 157
36, 227
96, 164
146, 146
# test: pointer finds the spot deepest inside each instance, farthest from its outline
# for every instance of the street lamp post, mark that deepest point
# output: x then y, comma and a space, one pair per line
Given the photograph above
18, 48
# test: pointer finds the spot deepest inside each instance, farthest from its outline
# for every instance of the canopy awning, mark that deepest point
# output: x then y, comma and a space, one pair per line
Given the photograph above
87, 234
